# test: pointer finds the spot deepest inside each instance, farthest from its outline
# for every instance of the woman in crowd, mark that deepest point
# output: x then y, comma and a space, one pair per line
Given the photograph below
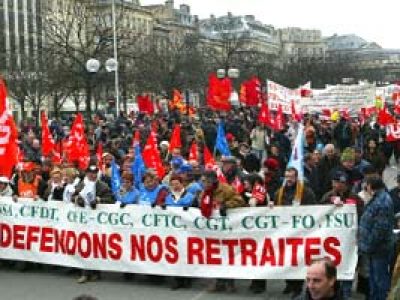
71, 179
127, 194
152, 192
55, 186
178, 196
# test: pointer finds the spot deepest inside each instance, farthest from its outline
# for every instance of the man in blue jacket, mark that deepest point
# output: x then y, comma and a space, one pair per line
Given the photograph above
375, 238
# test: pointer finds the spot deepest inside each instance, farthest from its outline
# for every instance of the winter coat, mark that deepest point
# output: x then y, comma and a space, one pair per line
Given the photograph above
325, 167
227, 196
375, 235
305, 295
103, 192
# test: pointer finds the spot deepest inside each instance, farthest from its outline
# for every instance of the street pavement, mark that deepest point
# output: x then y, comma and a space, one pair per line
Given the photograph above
51, 283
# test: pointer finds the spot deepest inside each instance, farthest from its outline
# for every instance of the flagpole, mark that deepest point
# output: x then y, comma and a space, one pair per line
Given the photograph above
116, 78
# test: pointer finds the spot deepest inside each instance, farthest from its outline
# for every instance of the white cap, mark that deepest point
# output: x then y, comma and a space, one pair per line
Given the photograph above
4, 179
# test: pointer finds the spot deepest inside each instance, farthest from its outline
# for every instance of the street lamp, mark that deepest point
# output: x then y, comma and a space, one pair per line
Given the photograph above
93, 66
233, 74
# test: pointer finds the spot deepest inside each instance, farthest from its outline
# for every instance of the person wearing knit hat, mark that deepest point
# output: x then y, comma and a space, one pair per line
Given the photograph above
271, 164
348, 155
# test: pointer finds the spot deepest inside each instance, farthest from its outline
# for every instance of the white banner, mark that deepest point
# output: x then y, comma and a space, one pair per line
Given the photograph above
281, 95
351, 97
250, 243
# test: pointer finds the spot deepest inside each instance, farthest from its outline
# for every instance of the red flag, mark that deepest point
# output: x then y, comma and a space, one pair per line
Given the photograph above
295, 115
384, 117
393, 132
264, 116
8, 144
48, 144
77, 146
99, 155
250, 92
145, 104
176, 100
175, 141
305, 90
211, 164
3, 97
151, 155
259, 193
219, 93
238, 185
193, 151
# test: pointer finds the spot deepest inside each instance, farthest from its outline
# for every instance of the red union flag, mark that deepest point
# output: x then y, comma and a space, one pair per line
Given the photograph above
151, 155
48, 145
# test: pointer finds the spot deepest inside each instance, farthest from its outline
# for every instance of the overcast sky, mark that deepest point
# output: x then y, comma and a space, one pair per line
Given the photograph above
377, 21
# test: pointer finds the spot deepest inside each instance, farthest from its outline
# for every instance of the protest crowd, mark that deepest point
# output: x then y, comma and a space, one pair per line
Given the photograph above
219, 160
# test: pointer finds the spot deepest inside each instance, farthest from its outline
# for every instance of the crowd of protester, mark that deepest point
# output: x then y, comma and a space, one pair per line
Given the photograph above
343, 164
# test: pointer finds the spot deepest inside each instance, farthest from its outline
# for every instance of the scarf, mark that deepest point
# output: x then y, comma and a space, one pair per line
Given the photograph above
298, 195
206, 202
176, 196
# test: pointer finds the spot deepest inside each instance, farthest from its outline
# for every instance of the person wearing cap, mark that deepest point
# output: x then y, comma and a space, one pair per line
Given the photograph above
176, 163
5, 188
191, 179
271, 173
230, 169
164, 145
347, 161
275, 152
28, 184
88, 193
92, 191
341, 194
375, 237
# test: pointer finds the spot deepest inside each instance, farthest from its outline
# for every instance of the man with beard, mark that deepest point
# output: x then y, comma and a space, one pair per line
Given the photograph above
293, 193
